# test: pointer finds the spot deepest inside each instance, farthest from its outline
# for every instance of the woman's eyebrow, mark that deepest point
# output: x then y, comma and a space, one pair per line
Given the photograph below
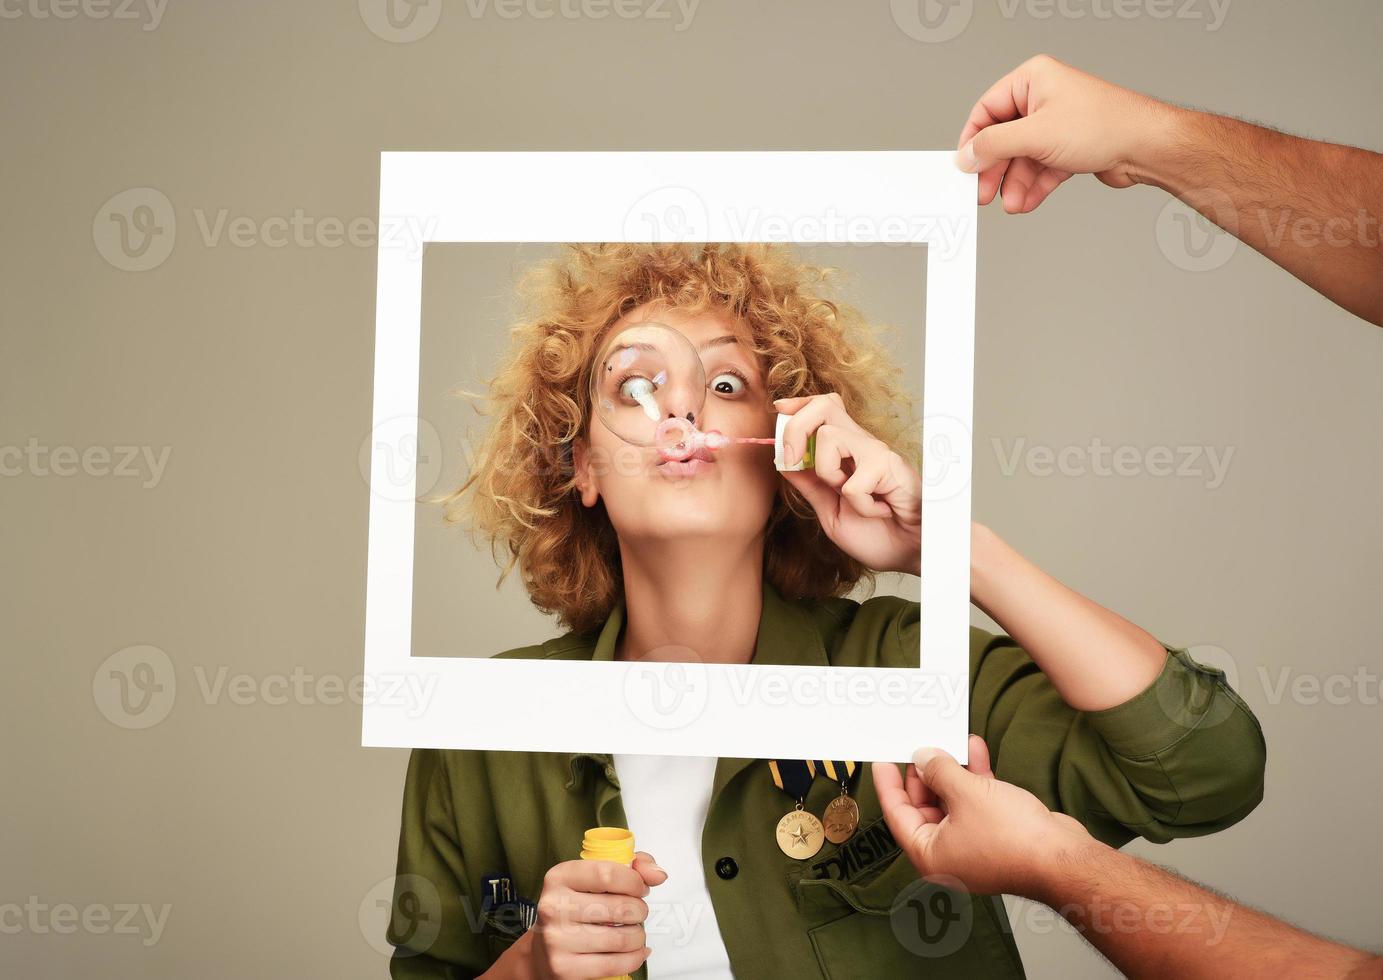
728, 338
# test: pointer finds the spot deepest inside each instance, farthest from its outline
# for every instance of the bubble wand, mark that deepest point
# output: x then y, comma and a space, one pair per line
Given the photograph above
678, 439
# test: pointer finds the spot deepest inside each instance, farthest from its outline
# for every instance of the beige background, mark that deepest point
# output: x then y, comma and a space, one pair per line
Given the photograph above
263, 825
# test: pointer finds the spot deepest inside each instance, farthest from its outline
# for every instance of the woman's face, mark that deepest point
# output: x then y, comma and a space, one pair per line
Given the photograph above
727, 493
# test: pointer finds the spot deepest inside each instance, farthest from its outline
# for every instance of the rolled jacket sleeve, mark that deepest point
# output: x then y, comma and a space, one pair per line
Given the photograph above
1183, 758
432, 923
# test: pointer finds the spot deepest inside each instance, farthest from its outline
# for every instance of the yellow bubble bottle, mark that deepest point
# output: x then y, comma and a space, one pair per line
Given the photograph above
609, 844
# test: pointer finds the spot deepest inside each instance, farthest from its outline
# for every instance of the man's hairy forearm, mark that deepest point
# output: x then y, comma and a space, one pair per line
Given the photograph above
1313, 208
1152, 923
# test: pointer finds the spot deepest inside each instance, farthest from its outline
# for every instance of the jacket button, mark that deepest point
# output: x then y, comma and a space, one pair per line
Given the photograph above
727, 868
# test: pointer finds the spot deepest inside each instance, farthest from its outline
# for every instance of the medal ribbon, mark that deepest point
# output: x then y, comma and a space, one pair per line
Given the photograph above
838, 772
793, 776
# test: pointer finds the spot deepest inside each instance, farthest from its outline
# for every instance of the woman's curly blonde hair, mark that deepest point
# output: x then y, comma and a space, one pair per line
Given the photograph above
521, 494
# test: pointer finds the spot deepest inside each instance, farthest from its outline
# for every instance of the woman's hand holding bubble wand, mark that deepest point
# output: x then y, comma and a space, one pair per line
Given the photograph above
867, 497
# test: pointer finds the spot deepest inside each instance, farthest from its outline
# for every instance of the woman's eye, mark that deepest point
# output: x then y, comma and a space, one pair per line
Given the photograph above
636, 388
727, 384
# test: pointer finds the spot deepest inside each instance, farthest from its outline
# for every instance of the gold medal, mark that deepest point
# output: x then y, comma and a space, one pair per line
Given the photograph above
841, 818
800, 834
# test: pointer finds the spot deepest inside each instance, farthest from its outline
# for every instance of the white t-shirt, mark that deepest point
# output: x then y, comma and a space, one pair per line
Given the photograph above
665, 801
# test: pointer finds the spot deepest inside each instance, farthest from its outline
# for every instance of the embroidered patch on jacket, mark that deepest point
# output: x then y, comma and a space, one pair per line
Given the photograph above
503, 907
871, 846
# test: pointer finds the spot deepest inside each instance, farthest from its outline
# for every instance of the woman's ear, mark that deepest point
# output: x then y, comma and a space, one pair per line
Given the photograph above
583, 472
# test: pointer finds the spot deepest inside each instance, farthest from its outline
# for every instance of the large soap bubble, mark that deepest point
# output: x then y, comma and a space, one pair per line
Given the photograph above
649, 386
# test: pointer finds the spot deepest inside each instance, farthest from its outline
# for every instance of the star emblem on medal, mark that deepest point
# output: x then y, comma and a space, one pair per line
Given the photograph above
799, 836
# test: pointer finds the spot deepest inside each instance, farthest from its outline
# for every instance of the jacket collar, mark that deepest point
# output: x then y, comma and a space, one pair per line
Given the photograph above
788, 635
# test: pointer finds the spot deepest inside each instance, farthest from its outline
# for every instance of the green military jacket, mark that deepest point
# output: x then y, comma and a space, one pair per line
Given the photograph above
481, 828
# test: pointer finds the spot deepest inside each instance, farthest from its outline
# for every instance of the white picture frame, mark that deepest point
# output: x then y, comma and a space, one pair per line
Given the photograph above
716, 710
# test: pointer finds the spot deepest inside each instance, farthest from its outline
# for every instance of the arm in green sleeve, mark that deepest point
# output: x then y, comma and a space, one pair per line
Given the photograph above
1183, 758
435, 922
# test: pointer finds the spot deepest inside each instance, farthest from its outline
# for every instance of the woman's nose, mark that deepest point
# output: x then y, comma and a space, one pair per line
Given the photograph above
682, 402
